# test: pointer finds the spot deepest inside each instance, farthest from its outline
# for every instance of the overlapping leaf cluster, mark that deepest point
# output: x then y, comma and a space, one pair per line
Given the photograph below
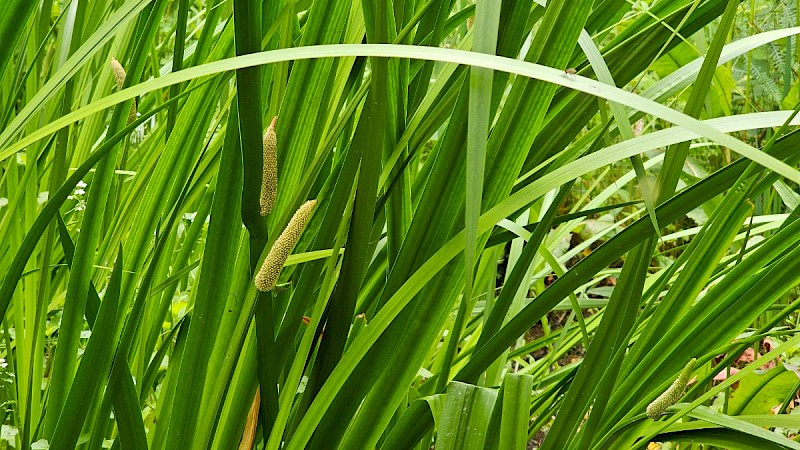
453, 150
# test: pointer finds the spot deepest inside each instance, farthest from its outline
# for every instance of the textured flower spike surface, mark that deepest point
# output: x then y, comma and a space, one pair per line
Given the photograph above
268, 274
269, 181
119, 72
672, 394
119, 78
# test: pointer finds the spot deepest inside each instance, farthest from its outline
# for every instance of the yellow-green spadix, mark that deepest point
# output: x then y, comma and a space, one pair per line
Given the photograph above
119, 72
672, 394
119, 79
267, 276
269, 180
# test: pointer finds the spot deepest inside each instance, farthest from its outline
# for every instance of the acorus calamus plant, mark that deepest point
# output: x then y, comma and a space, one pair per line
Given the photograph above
549, 211
119, 79
673, 393
267, 276
269, 182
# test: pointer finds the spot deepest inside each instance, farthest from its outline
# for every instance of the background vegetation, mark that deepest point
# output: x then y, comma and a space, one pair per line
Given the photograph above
529, 220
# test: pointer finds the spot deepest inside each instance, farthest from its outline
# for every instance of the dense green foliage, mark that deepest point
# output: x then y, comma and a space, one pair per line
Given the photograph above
530, 223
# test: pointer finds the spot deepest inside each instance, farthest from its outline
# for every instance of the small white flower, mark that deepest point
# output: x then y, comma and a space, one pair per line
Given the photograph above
79, 192
81, 184
3, 363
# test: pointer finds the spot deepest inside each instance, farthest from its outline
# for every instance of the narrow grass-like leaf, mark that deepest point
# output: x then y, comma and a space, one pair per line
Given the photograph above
445, 55
75, 301
177, 58
487, 17
128, 414
12, 19
219, 255
94, 366
125, 13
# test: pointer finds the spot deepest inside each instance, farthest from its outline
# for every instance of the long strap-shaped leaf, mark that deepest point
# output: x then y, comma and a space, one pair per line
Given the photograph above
86, 245
498, 63
601, 359
94, 367
218, 260
50, 209
125, 13
13, 18
127, 412
416, 329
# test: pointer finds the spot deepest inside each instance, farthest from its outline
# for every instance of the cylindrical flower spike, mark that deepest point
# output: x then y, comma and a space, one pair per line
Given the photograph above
672, 394
119, 72
119, 78
269, 180
267, 276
